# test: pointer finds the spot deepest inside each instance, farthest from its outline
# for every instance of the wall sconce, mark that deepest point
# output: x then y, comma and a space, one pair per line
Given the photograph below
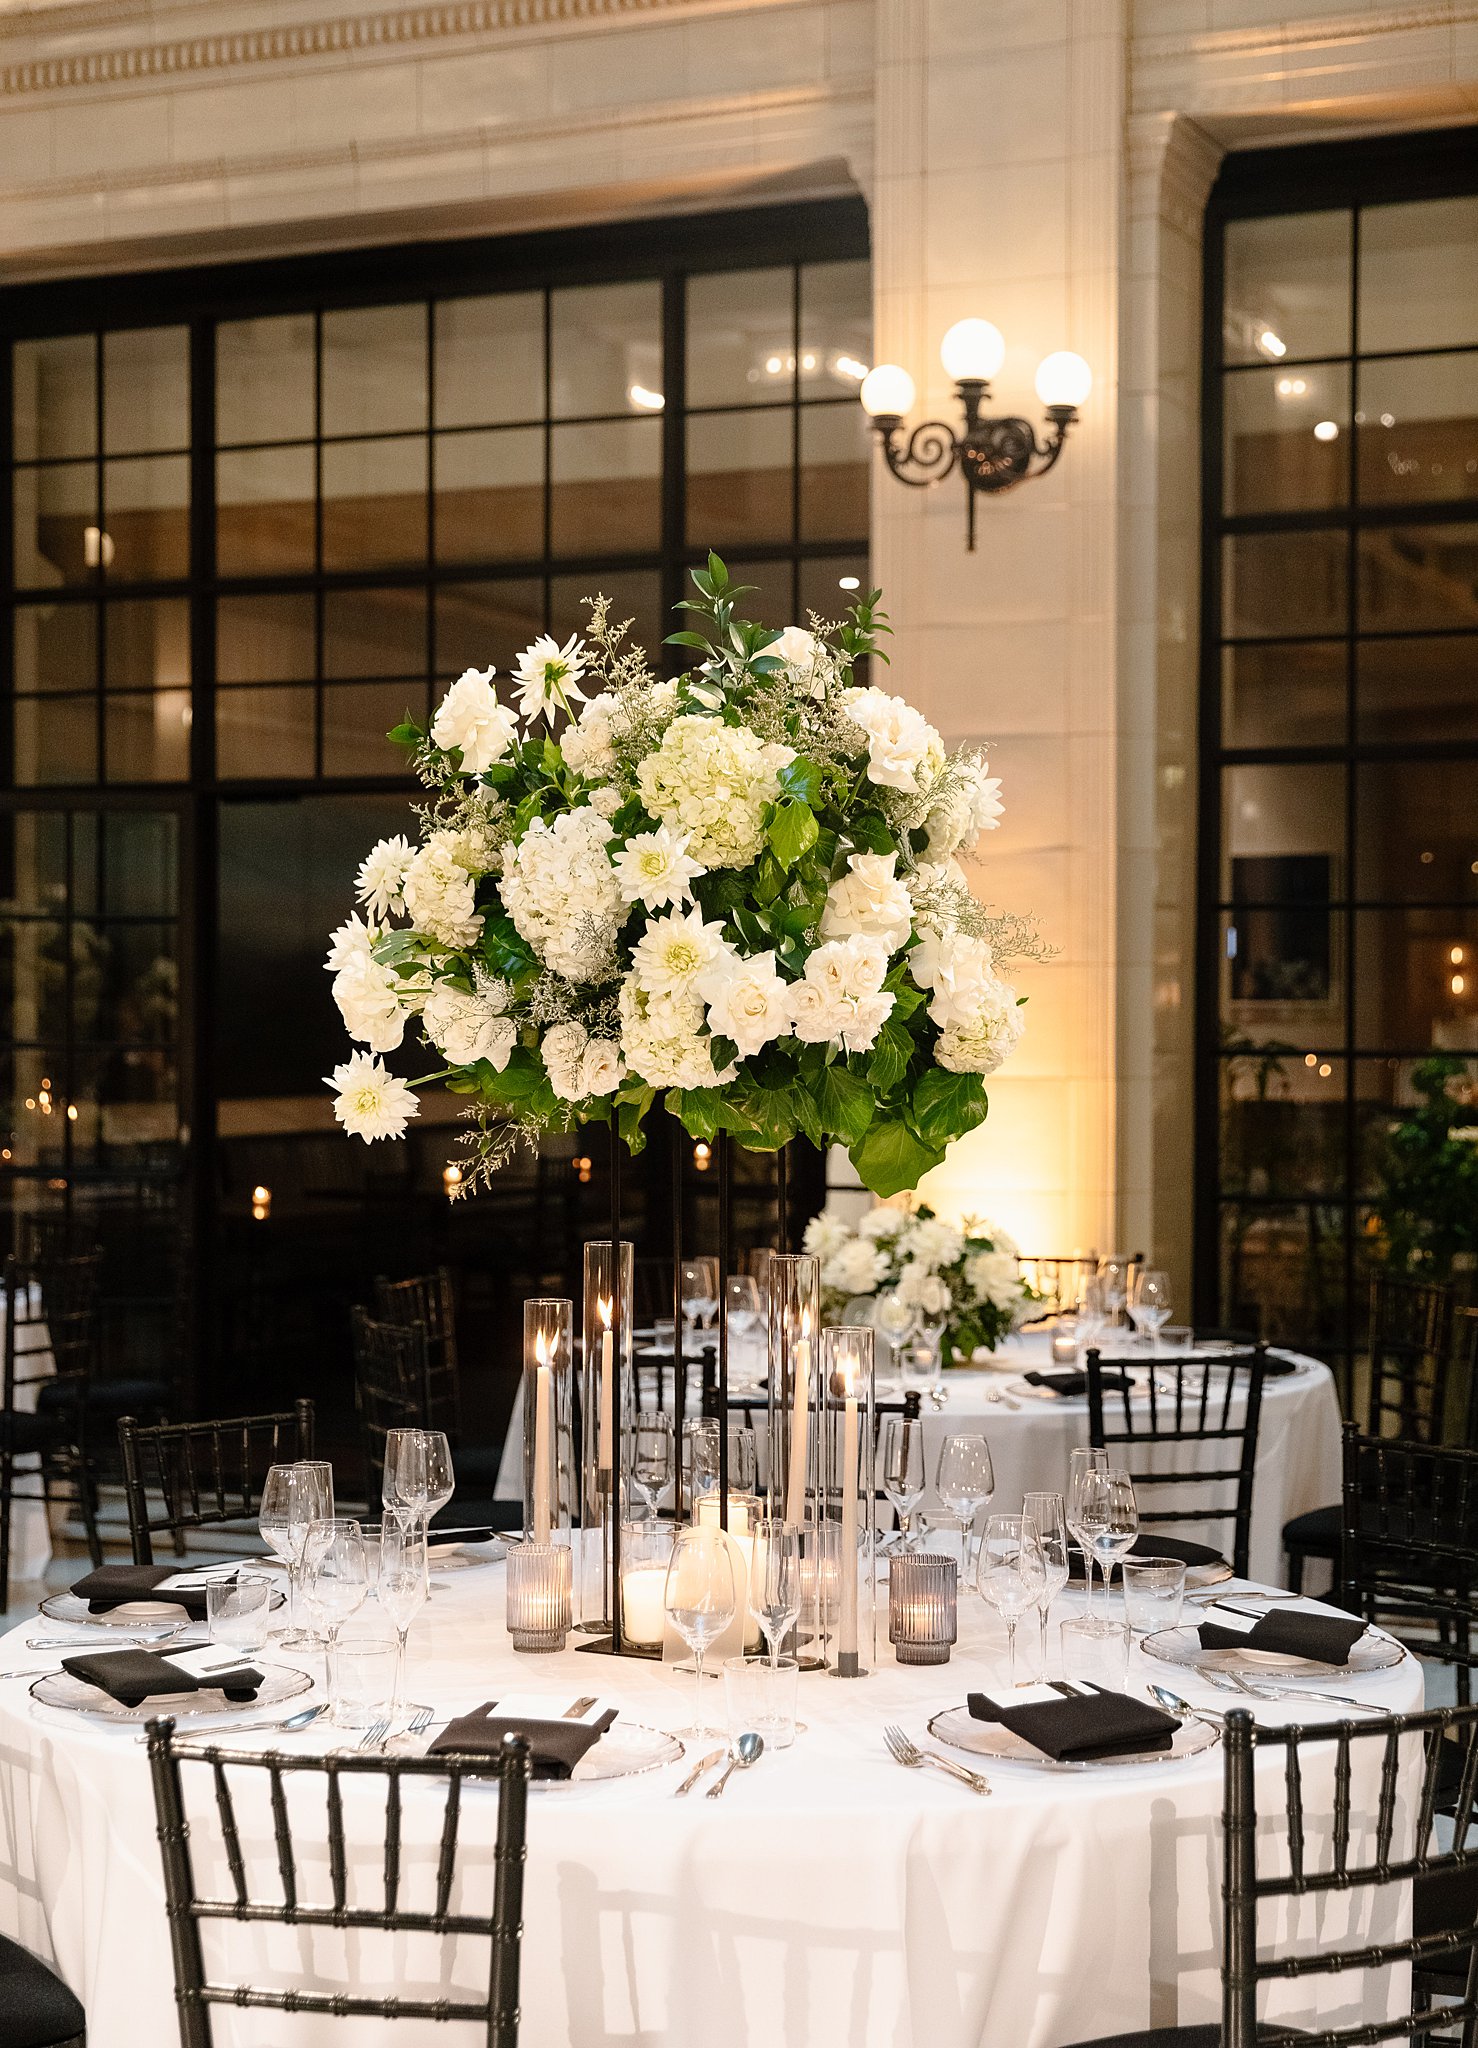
261, 1204
993, 454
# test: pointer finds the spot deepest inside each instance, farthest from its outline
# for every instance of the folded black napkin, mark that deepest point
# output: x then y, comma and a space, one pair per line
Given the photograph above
555, 1747
1084, 1727
133, 1676
113, 1585
1070, 1385
1278, 1368
1151, 1545
1322, 1638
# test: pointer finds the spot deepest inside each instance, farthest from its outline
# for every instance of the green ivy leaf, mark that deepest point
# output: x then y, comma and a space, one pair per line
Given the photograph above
802, 778
722, 1051
793, 831
890, 1157
868, 830
629, 1118
845, 1102
700, 1111
947, 1105
770, 1118
769, 882
808, 1115
890, 1057
519, 1081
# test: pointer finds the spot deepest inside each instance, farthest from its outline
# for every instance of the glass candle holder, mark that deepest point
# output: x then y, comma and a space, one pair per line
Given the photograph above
923, 1607
539, 1586
548, 1418
646, 1551
848, 1485
1065, 1341
607, 1382
795, 1402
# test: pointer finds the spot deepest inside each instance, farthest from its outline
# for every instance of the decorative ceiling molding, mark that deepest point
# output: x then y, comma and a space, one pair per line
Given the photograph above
1275, 39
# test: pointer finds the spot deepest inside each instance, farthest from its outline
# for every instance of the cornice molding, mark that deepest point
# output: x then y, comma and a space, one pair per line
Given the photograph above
1272, 40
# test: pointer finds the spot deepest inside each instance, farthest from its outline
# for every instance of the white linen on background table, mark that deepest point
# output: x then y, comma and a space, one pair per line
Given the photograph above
831, 1900
30, 1530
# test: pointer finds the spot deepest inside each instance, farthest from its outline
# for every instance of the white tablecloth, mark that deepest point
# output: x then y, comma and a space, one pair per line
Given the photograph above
832, 1900
1298, 1450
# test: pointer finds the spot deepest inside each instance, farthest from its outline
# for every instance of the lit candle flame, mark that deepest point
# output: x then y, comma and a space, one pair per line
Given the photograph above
603, 1305
541, 1347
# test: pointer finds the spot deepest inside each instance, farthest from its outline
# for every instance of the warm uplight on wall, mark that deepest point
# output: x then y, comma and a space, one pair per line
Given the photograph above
71, 1112
97, 548
261, 1204
645, 400
1458, 984
1311, 1059
1455, 955
1325, 1070
1290, 387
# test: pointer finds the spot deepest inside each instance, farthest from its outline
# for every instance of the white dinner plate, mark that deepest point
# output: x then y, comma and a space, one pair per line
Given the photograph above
1373, 1652
462, 1557
626, 1750
60, 1689
960, 1730
134, 1615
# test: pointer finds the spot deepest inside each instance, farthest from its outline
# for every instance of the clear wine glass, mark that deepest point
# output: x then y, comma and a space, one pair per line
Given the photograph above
700, 1449
1150, 1304
652, 1457
965, 1481
1010, 1574
1081, 1463
293, 1496
1050, 1515
1113, 1279
1092, 1316
775, 1580
335, 1577
401, 1589
701, 1599
744, 1463
1110, 1516
418, 1471
901, 1467
895, 1321
699, 1295
744, 1317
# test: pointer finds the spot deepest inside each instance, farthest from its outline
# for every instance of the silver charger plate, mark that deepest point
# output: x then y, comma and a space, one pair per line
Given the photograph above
463, 1557
133, 1616
626, 1750
75, 1696
957, 1727
1183, 1646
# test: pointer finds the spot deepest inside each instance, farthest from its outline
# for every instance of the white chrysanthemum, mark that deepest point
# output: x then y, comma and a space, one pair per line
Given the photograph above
923, 1290
674, 950
371, 1102
655, 869
883, 1223
382, 876
547, 674
469, 716
586, 745
713, 781
352, 940
824, 1235
465, 1027
748, 1000
855, 1267
987, 1039
561, 1049
440, 898
664, 1041
932, 1242
560, 890
869, 898
994, 1277
369, 1003
903, 749
957, 970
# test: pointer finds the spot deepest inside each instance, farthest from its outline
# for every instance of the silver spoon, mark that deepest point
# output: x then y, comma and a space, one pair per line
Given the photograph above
1183, 1710
747, 1750
303, 1718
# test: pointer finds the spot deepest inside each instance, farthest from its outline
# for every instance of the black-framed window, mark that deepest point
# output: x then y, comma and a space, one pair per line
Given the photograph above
1339, 867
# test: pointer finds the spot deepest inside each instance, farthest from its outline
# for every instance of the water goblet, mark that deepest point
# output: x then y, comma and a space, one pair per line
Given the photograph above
651, 1463
335, 1577
902, 1470
775, 1580
965, 1481
895, 1321
294, 1496
1150, 1304
701, 1600
699, 1296
1010, 1574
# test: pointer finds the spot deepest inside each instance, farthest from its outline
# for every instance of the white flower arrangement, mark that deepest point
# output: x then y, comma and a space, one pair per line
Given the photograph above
741, 888
967, 1279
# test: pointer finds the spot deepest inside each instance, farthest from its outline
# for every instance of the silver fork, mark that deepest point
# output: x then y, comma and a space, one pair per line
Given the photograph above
373, 1736
1228, 1681
908, 1753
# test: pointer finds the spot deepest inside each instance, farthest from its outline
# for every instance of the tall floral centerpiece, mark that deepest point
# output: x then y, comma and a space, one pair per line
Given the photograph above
963, 1280
739, 889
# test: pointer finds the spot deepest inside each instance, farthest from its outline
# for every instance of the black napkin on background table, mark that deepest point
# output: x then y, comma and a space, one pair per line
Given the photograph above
133, 1676
113, 1585
1069, 1384
1322, 1638
1150, 1545
1084, 1727
555, 1747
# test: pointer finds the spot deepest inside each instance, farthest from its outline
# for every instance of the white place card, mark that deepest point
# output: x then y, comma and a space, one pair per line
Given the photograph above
1028, 1696
547, 1706
211, 1662
1232, 1618
204, 1575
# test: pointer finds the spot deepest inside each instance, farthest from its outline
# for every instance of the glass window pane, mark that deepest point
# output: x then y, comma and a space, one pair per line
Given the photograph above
490, 495
1286, 440
1419, 275
1284, 696
265, 521
1417, 577
606, 349
740, 477
1419, 431
634, 594
605, 487
140, 981
55, 646
147, 644
35, 857
1282, 1122
1281, 972
489, 359
146, 390
1411, 995
374, 369
356, 718
1287, 288
56, 529
478, 624
262, 733
33, 979
1278, 1264
1280, 583
264, 379
741, 337
1284, 825
836, 328
374, 504
55, 740
266, 639
1385, 1096
55, 400
1418, 831
147, 739
836, 469
146, 516
831, 587
1417, 689
374, 633
140, 861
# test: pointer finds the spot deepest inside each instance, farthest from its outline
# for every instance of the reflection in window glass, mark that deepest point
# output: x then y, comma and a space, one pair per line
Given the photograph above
264, 379
1280, 695
147, 738
55, 741
140, 863
1274, 584
55, 646
146, 518
55, 397
606, 349
1415, 690
266, 638
356, 719
836, 329
146, 390
605, 487
1419, 431
374, 504
1287, 439
1285, 832
836, 471
374, 632
1419, 275
482, 623
264, 733
1418, 837
490, 495
1282, 1126
265, 519
489, 360
1417, 577
1411, 996
1287, 288
147, 644
740, 477
374, 370
741, 337
57, 538
829, 588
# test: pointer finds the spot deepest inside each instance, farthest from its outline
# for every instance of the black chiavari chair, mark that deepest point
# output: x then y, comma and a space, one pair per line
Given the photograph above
207, 1474
283, 1895
389, 1373
1367, 1838
36, 2008
1202, 1403
427, 1304
1059, 1281
51, 1330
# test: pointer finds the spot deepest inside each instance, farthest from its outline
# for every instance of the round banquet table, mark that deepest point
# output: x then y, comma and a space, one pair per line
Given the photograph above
1030, 1435
832, 1899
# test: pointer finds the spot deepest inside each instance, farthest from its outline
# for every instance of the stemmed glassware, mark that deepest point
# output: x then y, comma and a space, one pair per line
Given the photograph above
744, 1314
1150, 1304
1110, 1520
701, 1599
1113, 1280
1010, 1574
699, 1296
1080, 1465
1091, 1317
402, 1585
775, 1581
652, 1457
965, 1481
418, 1472
1050, 1516
895, 1321
293, 1497
336, 1578
901, 1470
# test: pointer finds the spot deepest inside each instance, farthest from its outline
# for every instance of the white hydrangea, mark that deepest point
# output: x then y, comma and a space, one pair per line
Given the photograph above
440, 898
673, 951
748, 1000
560, 890
971, 805
855, 1267
469, 716
368, 996
474, 847
883, 1223
869, 898
903, 749
988, 1038
663, 1040
932, 1242
605, 800
713, 781
371, 1102
994, 1277
465, 1027
655, 869
824, 1235
923, 1290
586, 745
956, 969
382, 876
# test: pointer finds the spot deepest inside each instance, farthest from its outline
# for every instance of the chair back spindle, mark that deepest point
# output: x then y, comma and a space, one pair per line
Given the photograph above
205, 1473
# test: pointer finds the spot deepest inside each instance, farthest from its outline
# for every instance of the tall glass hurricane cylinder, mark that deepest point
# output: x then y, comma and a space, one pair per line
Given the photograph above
548, 1419
606, 1405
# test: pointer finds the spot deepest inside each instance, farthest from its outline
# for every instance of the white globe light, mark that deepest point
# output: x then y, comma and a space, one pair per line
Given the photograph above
887, 391
972, 349
1063, 379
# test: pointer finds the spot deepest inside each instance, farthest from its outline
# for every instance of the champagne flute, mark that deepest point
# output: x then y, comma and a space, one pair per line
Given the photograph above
293, 1496
1080, 1464
1110, 1519
1049, 1514
902, 1468
744, 1317
1091, 1316
965, 1481
402, 1585
744, 1462
775, 1580
701, 1600
651, 1457
1010, 1574
1150, 1304
336, 1579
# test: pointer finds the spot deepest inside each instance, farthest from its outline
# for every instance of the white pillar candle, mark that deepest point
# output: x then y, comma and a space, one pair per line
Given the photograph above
800, 1421
605, 1445
541, 1442
848, 1625
643, 1591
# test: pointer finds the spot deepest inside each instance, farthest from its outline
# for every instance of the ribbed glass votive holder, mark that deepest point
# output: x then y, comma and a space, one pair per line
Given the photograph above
539, 1595
923, 1607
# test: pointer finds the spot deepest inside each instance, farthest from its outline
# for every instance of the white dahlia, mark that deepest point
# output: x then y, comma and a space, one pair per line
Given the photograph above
371, 1102
655, 869
547, 674
382, 876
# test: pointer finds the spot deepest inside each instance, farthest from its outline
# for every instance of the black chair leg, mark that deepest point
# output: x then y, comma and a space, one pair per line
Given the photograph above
1295, 1558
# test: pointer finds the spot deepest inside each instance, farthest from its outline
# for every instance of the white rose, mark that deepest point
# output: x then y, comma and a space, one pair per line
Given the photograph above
903, 749
600, 1067
984, 1040
854, 1268
816, 1015
956, 969
469, 716
747, 1001
869, 898
795, 647
605, 801
369, 1002
562, 1049
468, 1027
994, 1277
924, 1290
883, 1223
932, 1242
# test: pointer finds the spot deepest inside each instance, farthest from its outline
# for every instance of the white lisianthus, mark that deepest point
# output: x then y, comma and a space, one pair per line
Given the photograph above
713, 781
469, 716
748, 1000
562, 1048
931, 1242
663, 1040
923, 1290
956, 969
655, 869
547, 674
984, 1041
465, 1027
440, 898
869, 898
586, 745
883, 1223
371, 1102
382, 876
352, 940
994, 1277
903, 749
674, 950
825, 1235
605, 801
369, 1003
855, 1267
600, 1067
560, 890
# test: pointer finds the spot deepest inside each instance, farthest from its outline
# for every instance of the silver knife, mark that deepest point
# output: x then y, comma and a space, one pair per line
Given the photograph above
579, 1708
714, 1756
